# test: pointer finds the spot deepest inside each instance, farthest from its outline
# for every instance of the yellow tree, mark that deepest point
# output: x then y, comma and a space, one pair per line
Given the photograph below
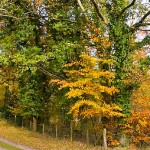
89, 86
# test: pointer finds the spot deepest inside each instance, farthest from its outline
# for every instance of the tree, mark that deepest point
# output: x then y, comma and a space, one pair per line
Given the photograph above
114, 18
97, 41
137, 126
37, 39
88, 90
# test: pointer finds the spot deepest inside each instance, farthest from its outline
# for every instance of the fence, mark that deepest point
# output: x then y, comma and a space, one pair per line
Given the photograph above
57, 130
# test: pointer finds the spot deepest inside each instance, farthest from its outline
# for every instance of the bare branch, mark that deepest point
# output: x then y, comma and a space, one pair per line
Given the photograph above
130, 5
82, 9
98, 12
47, 72
144, 24
10, 16
1, 9
140, 23
144, 17
144, 29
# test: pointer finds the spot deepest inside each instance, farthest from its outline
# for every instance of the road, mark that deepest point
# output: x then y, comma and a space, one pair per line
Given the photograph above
23, 147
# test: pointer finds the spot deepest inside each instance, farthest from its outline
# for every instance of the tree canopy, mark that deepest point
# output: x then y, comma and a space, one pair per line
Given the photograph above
89, 48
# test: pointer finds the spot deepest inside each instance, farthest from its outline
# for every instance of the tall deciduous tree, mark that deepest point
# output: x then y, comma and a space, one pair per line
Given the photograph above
119, 22
88, 88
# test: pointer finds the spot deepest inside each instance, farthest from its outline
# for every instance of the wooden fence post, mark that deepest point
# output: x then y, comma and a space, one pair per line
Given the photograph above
22, 123
34, 124
15, 119
87, 136
43, 128
56, 131
104, 139
71, 131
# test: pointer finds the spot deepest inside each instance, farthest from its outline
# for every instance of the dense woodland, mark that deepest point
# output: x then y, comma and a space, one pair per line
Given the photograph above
77, 63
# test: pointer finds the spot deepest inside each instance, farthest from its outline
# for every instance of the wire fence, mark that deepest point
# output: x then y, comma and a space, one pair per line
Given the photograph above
70, 131
57, 130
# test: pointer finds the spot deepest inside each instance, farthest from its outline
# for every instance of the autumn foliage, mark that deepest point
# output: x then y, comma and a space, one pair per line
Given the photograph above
91, 86
138, 127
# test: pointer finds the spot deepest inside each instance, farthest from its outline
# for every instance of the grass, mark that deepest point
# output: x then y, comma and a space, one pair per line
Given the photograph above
35, 140
41, 142
8, 147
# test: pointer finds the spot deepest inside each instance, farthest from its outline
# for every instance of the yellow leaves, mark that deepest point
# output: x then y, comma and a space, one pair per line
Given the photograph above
88, 108
97, 36
96, 74
77, 89
74, 64
62, 83
96, 39
140, 116
114, 143
88, 84
54, 81
5, 84
143, 123
112, 111
110, 90
74, 93
106, 42
95, 29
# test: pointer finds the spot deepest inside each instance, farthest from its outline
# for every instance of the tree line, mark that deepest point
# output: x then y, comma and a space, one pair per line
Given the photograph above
76, 61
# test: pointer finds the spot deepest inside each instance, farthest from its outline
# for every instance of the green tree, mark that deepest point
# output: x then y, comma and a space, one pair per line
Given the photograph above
37, 39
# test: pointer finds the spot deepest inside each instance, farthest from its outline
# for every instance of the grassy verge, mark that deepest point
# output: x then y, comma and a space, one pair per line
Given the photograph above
25, 137
8, 147
35, 140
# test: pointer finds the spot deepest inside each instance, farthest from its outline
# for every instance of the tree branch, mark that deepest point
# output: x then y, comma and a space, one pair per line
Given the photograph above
130, 5
1, 9
140, 23
82, 9
98, 12
47, 72
10, 16
144, 24
144, 29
